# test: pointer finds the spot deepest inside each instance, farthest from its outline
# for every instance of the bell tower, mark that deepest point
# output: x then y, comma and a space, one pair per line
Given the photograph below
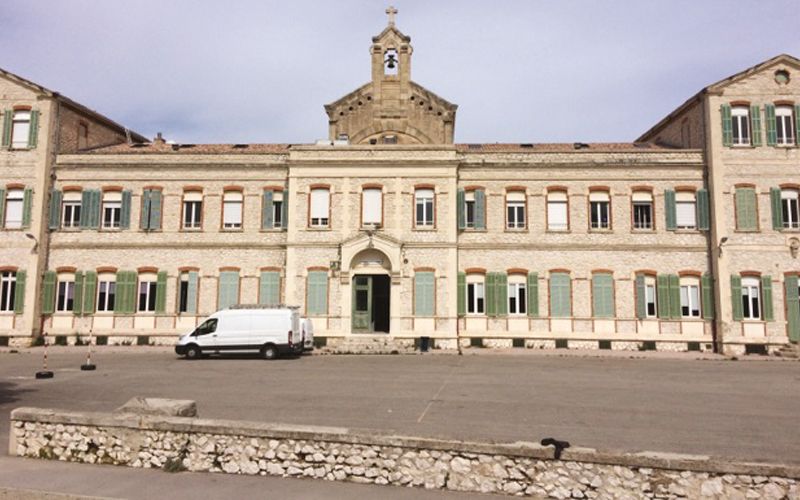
391, 108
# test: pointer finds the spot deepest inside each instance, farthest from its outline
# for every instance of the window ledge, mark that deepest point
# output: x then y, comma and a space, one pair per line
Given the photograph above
516, 230
273, 230
320, 229
601, 231
473, 230
424, 228
745, 231
239, 230
643, 231
558, 231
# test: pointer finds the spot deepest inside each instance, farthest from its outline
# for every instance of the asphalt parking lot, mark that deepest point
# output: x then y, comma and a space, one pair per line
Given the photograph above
738, 409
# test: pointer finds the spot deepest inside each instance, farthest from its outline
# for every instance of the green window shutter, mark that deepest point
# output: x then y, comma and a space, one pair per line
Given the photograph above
424, 285
119, 292
2, 207
501, 293
270, 288
27, 202
285, 210
125, 292
772, 133
703, 214
460, 209
792, 309
48, 292
603, 295
462, 294
317, 293
745, 199
669, 209
267, 221
86, 209
662, 285
777, 208
55, 209
77, 303
125, 210
766, 292
33, 132
533, 295
490, 295
8, 120
708, 296
228, 289
727, 126
641, 304
89, 292
755, 124
675, 296
161, 292
144, 216
97, 202
19, 292
480, 209
154, 223
797, 124
191, 293
560, 295
736, 296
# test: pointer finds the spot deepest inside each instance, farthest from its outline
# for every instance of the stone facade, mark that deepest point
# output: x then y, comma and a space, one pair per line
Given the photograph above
336, 454
611, 275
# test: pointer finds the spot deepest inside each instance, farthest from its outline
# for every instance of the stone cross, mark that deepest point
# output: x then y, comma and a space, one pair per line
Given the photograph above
391, 12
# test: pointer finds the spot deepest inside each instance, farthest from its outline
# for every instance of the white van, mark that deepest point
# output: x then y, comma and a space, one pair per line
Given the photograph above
272, 331
308, 334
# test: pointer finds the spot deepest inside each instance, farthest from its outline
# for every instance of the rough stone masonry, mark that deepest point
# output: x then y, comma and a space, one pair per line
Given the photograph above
338, 454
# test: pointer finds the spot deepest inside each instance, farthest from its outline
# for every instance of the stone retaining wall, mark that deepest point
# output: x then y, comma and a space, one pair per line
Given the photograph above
338, 454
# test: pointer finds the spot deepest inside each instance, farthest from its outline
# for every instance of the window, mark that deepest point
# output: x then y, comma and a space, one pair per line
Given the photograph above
517, 295
187, 292
8, 285
790, 214
423, 202
690, 297
371, 206
557, 219
651, 310
232, 209
746, 209
784, 127
317, 293
228, 293
600, 210
515, 210
192, 210
112, 209
65, 298
208, 326
389, 139
560, 295
476, 298
14, 208
71, 210
751, 298
83, 135
269, 292
603, 295
320, 207
685, 210
106, 292
424, 293
469, 208
147, 292
21, 130
277, 209
643, 210
740, 125
183, 292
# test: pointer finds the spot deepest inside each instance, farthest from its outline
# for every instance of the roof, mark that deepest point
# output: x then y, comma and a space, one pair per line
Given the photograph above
74, 104
207, 149
716, 87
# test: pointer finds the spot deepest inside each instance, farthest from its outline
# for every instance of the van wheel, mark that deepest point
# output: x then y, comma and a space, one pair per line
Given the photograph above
193, 352
269, 351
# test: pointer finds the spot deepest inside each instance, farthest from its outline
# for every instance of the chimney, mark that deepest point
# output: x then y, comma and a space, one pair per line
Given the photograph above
159, 140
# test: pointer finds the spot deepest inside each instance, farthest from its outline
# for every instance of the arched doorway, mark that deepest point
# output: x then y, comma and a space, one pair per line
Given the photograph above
371, 292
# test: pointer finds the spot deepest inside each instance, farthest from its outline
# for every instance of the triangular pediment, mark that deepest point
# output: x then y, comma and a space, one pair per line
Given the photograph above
391, 34
770, 64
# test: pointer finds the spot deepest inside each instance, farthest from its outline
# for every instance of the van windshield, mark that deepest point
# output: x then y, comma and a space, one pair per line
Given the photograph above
208, 326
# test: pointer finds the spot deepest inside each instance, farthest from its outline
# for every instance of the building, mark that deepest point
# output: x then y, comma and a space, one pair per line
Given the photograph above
686, 239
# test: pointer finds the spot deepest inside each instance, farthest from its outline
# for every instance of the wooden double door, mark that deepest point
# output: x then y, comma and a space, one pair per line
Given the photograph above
371, 303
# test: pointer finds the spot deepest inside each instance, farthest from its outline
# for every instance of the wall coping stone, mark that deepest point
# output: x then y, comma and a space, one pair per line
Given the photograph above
648, 459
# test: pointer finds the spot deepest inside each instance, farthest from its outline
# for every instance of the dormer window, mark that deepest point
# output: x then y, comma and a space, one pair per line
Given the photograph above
740, 125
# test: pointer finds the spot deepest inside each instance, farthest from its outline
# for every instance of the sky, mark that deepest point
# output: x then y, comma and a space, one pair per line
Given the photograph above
260, 71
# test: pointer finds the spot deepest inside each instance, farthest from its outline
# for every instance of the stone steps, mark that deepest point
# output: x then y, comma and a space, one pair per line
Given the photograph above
791, 351
369, 344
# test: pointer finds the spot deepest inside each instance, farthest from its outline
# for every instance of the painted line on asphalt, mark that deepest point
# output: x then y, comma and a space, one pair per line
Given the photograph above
441, 388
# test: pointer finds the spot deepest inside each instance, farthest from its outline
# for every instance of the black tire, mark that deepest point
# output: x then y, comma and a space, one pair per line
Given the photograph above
193, 351
269, 351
